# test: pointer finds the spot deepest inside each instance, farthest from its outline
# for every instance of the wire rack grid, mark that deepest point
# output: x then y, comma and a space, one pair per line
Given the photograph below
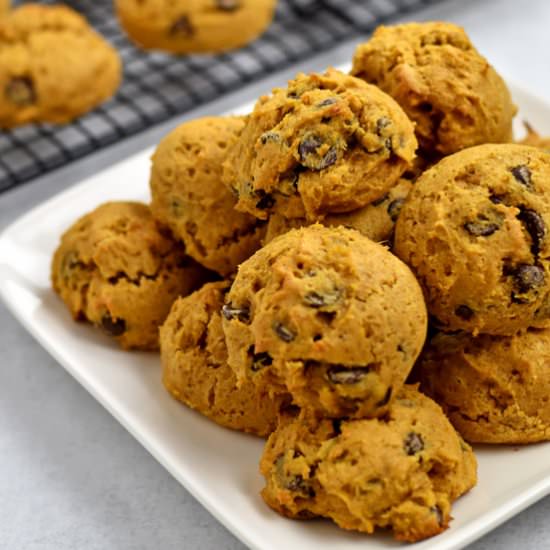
157, 86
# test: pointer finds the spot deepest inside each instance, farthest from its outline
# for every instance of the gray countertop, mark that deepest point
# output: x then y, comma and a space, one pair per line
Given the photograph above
70, 475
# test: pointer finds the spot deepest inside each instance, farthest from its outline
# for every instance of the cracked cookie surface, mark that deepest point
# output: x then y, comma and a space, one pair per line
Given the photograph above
115, 269
195, 370
402, 471
328, 314
494, 389
375, 221
194, 26
53, 66
445, 86
474, 230
328, 143
189, 197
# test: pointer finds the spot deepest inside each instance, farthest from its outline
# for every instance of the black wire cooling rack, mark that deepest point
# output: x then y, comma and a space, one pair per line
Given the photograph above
158, 86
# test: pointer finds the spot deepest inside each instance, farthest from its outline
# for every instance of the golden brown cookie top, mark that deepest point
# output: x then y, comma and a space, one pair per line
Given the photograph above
400, 472
493, 388
189, 197
327, 143
326, 301
474, 230
445, 86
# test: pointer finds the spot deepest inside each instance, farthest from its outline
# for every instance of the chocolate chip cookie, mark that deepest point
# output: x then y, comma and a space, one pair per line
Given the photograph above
376, 220
328, 143
53, 66
195, 369
445, 86
189, 197
474, 230
329, 315
194, 26
494, 389
115, 269
400, 472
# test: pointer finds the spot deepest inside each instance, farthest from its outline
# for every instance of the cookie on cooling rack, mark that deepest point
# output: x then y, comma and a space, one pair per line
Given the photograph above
53, 66
194, 26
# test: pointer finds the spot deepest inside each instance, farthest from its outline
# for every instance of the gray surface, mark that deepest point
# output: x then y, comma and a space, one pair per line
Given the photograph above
72, 477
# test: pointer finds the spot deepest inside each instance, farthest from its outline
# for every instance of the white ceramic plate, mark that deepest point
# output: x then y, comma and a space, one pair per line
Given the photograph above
218, 466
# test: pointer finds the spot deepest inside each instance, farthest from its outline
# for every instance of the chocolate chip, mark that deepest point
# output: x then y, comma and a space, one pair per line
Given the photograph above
523, 175
295, 483
284, 333
413, 444
495, 199
381, 123
481, 228
394, 208
113, 327
326, 102
338, 374
320, 299
309, 156
464, 312
228, 5
266, 200
535, 226
261, 361
20, 90
386, 399
182, 27
337, 426
240, 313
270, 137
528, 277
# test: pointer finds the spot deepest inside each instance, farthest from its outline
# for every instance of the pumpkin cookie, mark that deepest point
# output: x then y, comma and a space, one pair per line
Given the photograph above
329, 315
194, 26
376, 220
400, 472
494, 389
195, 370
115, 269
189, 197
474, 230
53, 66
328, 143
445, 86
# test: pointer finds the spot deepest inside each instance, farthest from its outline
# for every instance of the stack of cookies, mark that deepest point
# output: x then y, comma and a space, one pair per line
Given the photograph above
290, 261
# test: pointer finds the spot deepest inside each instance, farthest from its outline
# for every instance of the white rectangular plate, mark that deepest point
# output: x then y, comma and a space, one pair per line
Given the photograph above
218, 466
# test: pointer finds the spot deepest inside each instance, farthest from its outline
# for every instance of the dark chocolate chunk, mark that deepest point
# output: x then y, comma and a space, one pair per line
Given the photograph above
228, 5
293, 482
337, 426
381, 123
20, 90
321, 299
481, 228
495, 199
241, 313
394, 208
284, 333
326, 102
535, 226
522, 174
270, 137
261, 361
113, 327
309, 156
266, 200
338, 374
528, 277
182, 27
413, 443
464, 312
